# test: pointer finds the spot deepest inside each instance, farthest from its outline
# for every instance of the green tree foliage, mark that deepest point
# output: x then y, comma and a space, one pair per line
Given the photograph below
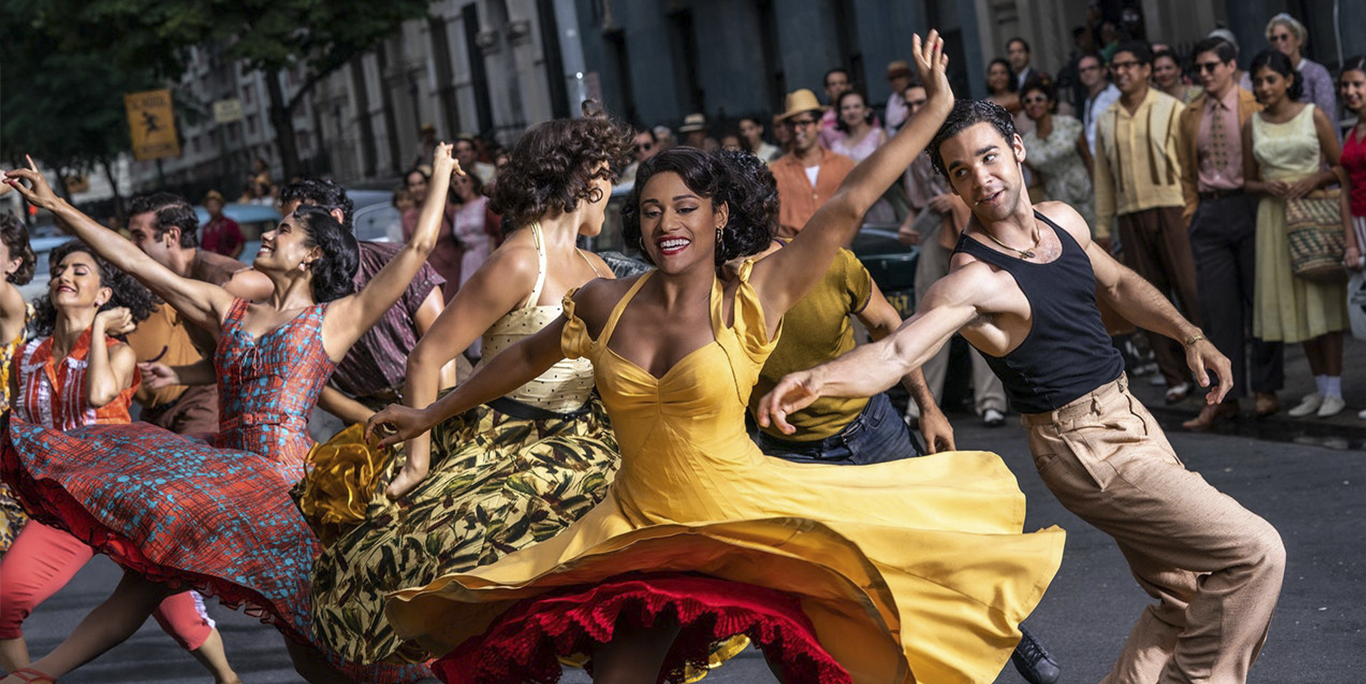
64, 108
273, 36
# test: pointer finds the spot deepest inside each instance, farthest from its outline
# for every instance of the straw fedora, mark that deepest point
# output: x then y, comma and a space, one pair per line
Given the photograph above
898, 68
693, 122
799, 101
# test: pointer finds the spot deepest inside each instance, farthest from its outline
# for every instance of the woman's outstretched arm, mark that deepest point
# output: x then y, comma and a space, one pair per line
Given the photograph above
784, 278
350, 317
201, 303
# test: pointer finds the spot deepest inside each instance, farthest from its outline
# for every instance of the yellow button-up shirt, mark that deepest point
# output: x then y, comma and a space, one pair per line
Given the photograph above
1137, 162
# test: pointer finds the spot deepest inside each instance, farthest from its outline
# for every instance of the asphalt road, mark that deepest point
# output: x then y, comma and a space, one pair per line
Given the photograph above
1315, 496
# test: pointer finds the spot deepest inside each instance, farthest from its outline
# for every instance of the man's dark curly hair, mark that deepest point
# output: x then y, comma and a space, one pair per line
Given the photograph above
551, 167
966, 114
334, 272
321, 192
738, 179
15, 236
171, 210
126, 290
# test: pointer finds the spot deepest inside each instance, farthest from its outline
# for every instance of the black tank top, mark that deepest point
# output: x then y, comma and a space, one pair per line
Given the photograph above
1067, 352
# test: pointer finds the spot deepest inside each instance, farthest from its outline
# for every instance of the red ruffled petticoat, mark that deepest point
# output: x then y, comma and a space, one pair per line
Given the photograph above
525, 644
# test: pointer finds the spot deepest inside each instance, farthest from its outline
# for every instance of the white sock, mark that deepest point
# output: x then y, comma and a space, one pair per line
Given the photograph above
1322, 382
1332, 386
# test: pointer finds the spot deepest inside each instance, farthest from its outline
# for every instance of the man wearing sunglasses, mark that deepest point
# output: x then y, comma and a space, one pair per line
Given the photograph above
808, 174
1138, 184
1223, 228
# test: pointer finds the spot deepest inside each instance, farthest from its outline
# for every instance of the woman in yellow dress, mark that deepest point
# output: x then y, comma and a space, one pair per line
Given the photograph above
906, 571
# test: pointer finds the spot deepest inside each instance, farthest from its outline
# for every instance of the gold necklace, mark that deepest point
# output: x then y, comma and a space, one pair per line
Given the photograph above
1024, 253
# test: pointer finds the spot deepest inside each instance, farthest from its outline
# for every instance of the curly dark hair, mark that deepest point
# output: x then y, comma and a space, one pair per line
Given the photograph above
334, 272
171, 211
1276, 61
965, 114
551, 167
321, 192
127, 291
736, 178
14, 234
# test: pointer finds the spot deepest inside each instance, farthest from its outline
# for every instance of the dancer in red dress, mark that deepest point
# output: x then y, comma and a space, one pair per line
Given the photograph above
178, 513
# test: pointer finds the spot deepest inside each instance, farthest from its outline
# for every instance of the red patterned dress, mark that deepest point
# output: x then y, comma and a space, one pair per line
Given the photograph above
213, 517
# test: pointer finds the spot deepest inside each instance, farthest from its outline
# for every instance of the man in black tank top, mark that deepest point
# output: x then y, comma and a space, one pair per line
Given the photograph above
1023, 290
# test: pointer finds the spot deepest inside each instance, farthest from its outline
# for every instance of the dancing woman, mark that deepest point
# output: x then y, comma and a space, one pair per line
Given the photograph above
74, 373
517, 469
175, 512
894, 572
16, 265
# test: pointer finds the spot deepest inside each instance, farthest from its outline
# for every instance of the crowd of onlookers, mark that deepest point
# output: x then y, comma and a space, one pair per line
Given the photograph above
1184, 163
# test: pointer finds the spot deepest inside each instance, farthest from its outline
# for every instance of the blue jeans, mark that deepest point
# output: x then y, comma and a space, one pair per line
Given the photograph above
877, 435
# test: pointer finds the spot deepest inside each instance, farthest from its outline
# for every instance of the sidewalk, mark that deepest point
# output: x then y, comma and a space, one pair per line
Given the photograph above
1343, 431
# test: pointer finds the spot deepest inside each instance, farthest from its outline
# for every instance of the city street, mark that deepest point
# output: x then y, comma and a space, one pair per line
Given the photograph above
1315, 496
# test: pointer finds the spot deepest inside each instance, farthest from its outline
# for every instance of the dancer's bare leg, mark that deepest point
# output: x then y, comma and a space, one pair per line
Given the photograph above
214, 659
635, 654
13, 654
105, 627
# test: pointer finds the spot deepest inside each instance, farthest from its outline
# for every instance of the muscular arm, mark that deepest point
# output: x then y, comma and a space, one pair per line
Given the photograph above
949, 305
882, 320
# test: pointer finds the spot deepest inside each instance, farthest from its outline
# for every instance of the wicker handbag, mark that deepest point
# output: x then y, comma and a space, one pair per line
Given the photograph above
1313, 224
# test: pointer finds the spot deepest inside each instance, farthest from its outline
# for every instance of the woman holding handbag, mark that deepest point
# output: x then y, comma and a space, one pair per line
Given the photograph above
1285, 150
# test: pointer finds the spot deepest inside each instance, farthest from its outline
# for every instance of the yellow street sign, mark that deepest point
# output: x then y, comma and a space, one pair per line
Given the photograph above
151, 122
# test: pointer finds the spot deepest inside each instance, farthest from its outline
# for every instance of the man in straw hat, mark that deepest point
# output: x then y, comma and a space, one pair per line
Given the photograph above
899, 78
694, 130
808, 174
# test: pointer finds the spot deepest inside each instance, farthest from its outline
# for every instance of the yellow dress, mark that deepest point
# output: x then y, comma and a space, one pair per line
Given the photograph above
913, 570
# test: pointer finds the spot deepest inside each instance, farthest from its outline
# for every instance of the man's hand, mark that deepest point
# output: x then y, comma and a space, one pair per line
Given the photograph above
936, 429
158, 375
1202, 357
793, 393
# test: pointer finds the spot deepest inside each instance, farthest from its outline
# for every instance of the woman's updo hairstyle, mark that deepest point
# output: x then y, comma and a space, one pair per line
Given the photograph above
1276, 61
738, 179
552, 167
126, 291
335, 271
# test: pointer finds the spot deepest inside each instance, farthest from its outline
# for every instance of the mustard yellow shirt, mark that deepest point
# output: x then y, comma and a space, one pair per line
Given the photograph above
1137, 162
815, 330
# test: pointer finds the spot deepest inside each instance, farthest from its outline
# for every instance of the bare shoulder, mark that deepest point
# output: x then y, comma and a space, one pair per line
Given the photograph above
11, 300
513, 264
1066, 217
249, 284
593, 303
599, 264
968, 282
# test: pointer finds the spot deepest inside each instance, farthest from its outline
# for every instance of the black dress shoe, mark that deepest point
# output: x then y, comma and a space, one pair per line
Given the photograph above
1033, 662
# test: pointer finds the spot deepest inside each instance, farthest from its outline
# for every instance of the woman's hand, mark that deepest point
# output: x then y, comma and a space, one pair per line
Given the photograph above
444, 162
1352, 259
1301, 187
115, 321
1279, 189
37, 192
932, 65
396, 423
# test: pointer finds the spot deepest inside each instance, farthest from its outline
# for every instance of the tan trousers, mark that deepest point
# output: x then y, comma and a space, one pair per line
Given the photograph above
1214, 567
987, 390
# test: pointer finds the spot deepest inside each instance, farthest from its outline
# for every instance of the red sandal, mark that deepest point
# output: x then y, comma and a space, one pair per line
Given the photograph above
29, 675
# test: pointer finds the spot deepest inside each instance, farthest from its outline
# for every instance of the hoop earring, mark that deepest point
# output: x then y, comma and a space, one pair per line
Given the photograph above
718, 236
640, 242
